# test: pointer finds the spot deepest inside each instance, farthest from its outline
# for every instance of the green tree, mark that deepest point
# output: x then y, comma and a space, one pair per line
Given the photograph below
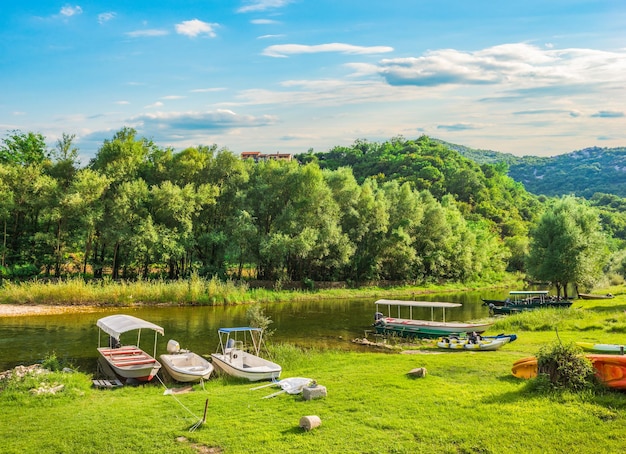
23, 149
568, 246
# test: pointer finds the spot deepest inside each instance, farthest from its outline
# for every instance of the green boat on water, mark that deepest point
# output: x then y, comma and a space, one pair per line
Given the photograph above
410, 327
527, 300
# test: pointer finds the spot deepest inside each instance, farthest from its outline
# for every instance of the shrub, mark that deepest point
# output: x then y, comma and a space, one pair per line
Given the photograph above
565, 367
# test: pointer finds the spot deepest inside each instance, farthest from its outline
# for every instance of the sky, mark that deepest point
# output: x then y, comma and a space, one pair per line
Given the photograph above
531, 77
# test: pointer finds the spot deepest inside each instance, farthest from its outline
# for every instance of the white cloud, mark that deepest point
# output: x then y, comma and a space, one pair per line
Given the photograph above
517, 67
147, 33
263, 22
262, 5
195, 28
207, 90
222, 119
173, 97
122, 103
283, 50
152, 106
270, 36
69, 11
105, 17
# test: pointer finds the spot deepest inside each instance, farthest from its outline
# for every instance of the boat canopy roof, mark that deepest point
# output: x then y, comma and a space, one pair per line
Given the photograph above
528, 292
238, 329
417, 303
114, 325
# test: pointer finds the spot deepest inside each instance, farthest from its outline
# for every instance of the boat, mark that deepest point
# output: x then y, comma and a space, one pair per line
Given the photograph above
410, 327
610, 369
185, 366
234, 360
525, 367
452, 343
591, 296
127, 361
525, 300
602, 348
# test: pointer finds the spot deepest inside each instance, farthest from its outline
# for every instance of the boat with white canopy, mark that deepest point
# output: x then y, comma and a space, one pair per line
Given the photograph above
127, 361
410, 327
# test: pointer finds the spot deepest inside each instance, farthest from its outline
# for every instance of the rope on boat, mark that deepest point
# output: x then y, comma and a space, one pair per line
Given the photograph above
200, 420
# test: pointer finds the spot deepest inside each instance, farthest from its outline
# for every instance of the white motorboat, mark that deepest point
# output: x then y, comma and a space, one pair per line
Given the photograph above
128, 361
234, 360
185, 366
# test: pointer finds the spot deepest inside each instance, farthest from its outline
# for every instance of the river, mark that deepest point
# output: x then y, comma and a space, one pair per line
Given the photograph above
323, 324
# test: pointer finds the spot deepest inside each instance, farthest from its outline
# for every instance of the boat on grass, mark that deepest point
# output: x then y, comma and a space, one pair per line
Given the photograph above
610, 369
526, 300
602, 348
591, 296
185, 366
127, 361
452, 343
234, 360
410, 327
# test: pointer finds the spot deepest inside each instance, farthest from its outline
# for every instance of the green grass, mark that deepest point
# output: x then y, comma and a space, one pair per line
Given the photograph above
468, 403
195, 290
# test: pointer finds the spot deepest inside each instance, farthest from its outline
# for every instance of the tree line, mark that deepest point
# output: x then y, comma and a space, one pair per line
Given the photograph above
136, 210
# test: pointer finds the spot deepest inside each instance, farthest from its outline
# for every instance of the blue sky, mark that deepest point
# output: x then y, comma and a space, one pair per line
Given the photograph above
526, 77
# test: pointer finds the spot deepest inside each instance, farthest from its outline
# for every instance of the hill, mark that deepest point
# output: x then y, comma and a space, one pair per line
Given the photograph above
582, 173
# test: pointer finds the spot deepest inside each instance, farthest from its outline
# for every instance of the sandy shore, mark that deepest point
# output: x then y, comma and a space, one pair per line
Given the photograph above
15, 310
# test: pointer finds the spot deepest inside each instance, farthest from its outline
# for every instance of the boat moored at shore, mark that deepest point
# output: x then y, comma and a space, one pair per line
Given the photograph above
410, 327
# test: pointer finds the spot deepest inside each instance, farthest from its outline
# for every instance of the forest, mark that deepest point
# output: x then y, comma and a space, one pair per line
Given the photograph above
403, 210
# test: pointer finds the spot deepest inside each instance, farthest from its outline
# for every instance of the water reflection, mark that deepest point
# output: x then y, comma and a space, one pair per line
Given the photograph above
322, 324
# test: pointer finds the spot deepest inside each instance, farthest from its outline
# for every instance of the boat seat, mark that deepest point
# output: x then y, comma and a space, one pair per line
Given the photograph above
135, 363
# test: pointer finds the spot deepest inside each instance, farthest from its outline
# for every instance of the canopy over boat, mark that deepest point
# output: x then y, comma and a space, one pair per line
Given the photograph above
529, 292
115, 325
417, 303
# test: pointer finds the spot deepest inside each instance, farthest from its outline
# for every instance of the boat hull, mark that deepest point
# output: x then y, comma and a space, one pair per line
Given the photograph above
465, 344
516, 308
590, 296
426, 329
129, 362
238, 363
602, 348
187, 367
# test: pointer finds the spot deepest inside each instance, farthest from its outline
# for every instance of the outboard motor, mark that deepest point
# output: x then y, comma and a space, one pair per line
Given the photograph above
114, 342
173, 347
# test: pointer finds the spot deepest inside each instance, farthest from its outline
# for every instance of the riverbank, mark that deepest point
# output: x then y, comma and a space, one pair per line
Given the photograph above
467, 402
15, 310
78, 294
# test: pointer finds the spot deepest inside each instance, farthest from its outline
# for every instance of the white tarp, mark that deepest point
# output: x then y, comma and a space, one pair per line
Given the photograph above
114, 325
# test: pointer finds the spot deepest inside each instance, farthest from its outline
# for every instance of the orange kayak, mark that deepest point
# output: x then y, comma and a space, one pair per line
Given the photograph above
610, 369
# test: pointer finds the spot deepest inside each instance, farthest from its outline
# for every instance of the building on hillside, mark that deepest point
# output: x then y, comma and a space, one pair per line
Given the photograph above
258, 156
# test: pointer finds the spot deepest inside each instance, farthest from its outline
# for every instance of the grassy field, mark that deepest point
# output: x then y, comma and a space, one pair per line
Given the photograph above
194, 291
468, 403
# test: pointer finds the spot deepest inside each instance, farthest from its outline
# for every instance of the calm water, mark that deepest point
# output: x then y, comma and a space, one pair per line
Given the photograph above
331, 323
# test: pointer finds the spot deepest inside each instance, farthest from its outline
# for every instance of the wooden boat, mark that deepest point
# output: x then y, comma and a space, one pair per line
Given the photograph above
410, 327
185, 366
602, 348
590, 296
234, 360
610, 369
129, 361
525, 300
466, 344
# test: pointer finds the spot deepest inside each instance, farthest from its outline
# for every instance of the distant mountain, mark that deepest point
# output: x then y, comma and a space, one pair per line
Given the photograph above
582, 173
